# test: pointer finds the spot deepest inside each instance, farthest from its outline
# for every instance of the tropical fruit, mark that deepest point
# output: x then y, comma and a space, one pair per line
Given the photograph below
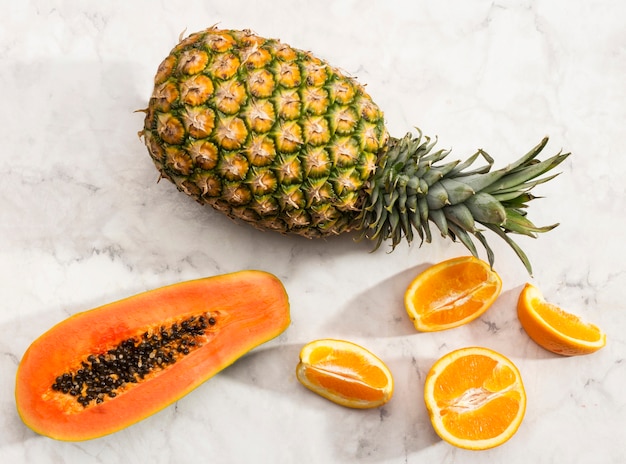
475, 398
102, 370
276, 137
553, 328
451, 293
344, 373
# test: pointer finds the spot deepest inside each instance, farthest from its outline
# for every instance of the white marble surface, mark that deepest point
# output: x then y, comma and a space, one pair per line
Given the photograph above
83, 221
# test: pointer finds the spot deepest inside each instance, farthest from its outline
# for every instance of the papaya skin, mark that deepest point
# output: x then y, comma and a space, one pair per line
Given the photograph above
248, 309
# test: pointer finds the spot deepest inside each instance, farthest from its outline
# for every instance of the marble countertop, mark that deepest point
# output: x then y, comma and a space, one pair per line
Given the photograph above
84, 222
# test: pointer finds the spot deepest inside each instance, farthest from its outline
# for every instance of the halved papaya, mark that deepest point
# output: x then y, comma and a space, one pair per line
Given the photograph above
102, 370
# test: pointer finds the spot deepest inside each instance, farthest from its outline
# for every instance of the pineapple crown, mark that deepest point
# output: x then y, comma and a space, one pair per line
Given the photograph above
409, 190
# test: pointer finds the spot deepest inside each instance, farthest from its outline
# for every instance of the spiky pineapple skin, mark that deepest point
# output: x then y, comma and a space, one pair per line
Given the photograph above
264, 132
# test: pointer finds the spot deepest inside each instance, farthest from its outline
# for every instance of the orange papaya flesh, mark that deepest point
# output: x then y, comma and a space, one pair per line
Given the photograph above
105, 369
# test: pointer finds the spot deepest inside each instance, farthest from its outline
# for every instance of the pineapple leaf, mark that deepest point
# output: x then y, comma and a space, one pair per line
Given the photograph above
416, 191
528, 157
526, 185
518, 177
437, 197
518, 223
459, 170
483, 241
439, 218
514, 198
486, 209
461, 216
518, 251
465, 239
457, 191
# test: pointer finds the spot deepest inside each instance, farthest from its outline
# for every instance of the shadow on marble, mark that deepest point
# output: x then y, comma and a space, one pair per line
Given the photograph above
378, 310
399, 428
267, 367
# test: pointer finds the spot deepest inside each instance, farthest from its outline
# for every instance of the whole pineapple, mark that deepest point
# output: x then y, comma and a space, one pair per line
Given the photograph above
276, 137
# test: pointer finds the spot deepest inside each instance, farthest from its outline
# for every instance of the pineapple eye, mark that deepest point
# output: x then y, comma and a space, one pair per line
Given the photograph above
289, 137
261, 151
317, 162
291, 197
260, 115
204, 154
284, 52
178, 161
196, 90
236, 194
248, 39
324, 215
156, 150
233, 166
170, 129
255, 58
315, 72
345, 120
288, 74
346, 181
265, 205
208, 183
368, 165
370, 138
316, 100
262, 181
225, 66
318, 191
368, 110
345, 152
193, 61
261, 83
230, 96
164, 95
342, 91
289, 170
219, 41
231, 133
298, 218
316, 131
288, 104
199, 121
165, 69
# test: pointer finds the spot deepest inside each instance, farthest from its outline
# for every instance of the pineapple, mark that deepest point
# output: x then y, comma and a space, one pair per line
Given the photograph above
276, 137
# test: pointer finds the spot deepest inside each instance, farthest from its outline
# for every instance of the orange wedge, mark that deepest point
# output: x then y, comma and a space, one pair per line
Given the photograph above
554, 329
344, 373
451, 293
475, 398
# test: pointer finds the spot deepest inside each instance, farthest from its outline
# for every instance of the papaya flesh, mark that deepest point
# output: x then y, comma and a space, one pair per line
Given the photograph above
105, 369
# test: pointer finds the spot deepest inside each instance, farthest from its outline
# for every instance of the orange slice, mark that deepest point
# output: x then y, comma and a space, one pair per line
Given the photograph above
451, 293
344, 373
554, 329
475, 398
